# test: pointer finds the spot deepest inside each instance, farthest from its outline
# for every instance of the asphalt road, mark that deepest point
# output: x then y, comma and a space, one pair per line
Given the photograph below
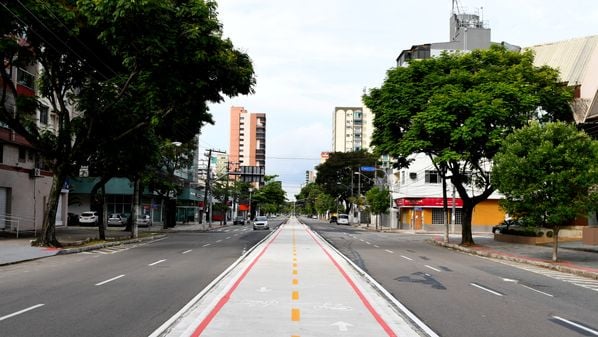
461, 295
121, 291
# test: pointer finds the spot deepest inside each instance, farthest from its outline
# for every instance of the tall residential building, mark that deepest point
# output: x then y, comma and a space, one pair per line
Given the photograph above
247, 138
352, 129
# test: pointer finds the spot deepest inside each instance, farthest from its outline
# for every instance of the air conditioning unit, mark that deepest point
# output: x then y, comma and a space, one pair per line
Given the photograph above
36, 172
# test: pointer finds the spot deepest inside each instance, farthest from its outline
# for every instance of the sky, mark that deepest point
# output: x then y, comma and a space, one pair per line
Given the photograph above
310, 56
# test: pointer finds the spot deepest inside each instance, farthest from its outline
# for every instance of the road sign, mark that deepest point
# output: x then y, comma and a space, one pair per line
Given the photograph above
367, 169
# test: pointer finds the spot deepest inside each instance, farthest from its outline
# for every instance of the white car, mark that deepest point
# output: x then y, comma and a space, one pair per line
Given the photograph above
88, 218
260, 222
343, 219
144, 221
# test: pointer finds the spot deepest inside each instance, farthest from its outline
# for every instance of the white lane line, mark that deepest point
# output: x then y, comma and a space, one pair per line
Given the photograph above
207, 244
389, 251
577, 325
486, 289
538, 291
187, 251
376, 246
218, 241
228, 237
368, 243
157, 240
21, 311
155, 263
406, 258
362, 240
110, 280
434, 269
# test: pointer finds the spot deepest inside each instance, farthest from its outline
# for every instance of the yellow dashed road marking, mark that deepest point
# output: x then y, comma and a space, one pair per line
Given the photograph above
295, 315
295, 295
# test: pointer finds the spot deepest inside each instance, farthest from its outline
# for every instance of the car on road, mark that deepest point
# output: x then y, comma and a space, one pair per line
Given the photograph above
116, 219
239, 220
144, 221
343, 219
88, 218
260, 222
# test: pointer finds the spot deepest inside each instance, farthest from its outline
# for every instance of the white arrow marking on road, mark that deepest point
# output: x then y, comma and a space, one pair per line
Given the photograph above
342, 326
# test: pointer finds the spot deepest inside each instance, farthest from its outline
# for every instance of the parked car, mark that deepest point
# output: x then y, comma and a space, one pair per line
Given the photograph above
239, 220
144, 221
260, 222
504, 226
88, 218
343, 219
116, 219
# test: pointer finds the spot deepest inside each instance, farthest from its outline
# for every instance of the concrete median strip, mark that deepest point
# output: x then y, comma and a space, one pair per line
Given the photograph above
278, 289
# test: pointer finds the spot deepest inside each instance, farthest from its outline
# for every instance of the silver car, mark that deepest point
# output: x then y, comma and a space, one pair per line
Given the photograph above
88, 218
116, 219
260, 222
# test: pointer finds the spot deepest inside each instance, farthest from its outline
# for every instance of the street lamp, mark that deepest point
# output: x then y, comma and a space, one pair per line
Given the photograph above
250, 190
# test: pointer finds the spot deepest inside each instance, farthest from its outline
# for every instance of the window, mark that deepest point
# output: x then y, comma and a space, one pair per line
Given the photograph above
1, 153
458, 214
402, 177
438, 216
432, 177
43, 115
22, 155
25, 78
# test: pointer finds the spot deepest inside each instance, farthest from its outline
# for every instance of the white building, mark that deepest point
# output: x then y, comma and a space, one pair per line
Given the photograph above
352, 129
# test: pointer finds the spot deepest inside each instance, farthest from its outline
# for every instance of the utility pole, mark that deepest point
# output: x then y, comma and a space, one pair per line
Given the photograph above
208, 203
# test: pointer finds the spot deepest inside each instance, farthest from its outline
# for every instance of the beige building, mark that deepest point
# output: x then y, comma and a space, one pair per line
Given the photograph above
352, 129
577, 61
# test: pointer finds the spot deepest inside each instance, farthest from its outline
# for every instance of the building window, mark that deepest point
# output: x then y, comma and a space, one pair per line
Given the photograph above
402, 177
22, 154
432, 177
437, 216
1, 153
458, 216
43, 115
25, 78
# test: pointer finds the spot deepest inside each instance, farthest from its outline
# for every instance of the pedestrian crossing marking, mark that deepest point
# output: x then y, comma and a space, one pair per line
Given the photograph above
580, 281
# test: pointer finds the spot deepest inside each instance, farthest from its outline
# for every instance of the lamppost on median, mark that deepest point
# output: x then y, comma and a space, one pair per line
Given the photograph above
250, 191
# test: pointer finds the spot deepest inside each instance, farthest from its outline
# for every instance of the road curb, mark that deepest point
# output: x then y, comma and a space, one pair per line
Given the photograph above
108, 244
496, 255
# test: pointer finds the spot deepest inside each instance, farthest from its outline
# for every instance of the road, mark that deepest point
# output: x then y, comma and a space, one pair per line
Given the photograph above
122, 291
461, 295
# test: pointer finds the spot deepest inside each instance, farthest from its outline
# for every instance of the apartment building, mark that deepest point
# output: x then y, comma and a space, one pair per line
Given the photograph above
247, 147
352, 129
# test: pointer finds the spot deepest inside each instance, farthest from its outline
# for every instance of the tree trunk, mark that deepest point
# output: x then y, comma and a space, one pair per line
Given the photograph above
555, 244
135, 209
104, 216
466, 217
47, 235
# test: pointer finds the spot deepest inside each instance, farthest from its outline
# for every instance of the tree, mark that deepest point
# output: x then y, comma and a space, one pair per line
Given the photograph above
457, 108
270, 197
548, 174
378, 201
156, 64
325, 203
336, 176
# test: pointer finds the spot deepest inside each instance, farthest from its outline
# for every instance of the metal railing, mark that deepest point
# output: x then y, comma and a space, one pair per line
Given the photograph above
17, 224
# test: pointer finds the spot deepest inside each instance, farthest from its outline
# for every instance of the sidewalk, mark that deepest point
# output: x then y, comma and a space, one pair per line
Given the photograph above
574, 257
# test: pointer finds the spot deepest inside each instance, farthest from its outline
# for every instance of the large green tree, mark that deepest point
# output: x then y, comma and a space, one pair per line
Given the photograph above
156, 64
270, 198
337, 175
548, 174
457, 108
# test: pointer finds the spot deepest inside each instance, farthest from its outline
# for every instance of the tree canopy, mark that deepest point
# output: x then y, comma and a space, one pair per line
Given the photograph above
548, 174
115, 72
457, 108
337, 176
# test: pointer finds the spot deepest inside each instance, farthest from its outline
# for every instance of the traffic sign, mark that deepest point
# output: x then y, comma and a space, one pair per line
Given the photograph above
367, 169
